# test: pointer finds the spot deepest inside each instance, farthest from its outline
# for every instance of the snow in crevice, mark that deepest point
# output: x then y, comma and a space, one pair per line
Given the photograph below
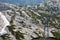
36, 13
25, 13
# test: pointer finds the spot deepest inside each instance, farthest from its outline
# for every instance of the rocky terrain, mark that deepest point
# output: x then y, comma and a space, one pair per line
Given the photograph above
39, 22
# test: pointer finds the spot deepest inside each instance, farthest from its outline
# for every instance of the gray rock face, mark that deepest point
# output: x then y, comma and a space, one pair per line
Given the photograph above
27, 23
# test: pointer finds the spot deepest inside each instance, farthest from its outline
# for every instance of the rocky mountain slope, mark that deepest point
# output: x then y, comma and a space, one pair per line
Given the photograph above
32, 23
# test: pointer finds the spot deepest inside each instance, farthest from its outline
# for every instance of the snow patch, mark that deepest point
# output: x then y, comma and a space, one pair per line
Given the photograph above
5, 23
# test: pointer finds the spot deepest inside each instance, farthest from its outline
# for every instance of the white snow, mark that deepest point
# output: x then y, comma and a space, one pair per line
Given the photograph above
3, 31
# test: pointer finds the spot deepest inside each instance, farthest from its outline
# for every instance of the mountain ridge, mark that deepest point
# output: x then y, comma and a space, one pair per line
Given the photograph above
27, 23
